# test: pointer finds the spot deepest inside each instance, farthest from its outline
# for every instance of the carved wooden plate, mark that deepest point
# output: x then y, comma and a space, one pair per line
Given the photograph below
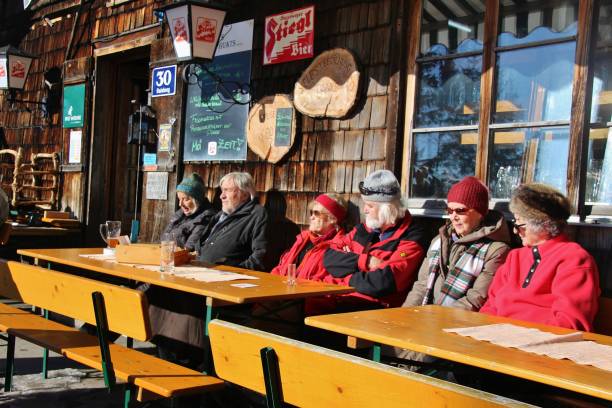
264, 137
329, 86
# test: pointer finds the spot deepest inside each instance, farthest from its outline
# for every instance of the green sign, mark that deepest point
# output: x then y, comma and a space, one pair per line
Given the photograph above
74, 106
284, 122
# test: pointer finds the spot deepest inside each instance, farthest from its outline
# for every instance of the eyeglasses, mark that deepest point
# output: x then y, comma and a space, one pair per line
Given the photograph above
515, 226
458, 211
317, 213
370, 191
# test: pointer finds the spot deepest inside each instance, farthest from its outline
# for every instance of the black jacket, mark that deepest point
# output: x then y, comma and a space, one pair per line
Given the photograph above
239, 240
188, 229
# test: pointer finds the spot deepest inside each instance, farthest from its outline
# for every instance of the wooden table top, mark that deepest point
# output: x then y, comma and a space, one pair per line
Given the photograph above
420, 329
269, 287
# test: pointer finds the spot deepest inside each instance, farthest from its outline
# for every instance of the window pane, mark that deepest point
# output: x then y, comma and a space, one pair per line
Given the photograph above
528, 155
599, 167
441, 159
535, 84
522, 24
449, 27
449, 92
601, 107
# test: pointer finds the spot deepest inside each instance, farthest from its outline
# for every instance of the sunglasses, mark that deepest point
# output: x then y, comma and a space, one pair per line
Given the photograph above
317, 213
458, 211
371, 191
516, 226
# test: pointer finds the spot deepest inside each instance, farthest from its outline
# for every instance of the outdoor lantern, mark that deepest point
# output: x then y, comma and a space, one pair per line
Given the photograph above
195, 26
14, 67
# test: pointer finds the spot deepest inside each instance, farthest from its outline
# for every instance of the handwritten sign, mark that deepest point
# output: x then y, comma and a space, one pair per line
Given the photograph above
157, 185
214, 126
284, 121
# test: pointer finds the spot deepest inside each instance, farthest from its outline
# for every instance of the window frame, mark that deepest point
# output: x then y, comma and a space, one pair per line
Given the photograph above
579, 121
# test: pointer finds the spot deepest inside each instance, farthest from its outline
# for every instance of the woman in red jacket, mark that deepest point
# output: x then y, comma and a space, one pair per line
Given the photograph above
550, 280
327, 212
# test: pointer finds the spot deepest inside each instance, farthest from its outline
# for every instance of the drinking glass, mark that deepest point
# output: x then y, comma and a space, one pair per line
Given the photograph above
166, 260
110, 232
291, 275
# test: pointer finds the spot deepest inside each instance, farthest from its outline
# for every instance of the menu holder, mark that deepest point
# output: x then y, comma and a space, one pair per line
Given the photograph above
148, 254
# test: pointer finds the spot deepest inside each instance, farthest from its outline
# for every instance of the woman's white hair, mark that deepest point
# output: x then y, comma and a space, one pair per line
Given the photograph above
244, 181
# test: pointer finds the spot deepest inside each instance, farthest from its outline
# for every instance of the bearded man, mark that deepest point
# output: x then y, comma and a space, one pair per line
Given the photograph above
379, 257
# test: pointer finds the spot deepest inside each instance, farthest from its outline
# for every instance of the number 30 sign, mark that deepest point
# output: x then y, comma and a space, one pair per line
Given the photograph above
163, 81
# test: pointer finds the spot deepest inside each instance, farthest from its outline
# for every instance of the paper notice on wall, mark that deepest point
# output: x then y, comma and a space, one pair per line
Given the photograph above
74, 151
157, 185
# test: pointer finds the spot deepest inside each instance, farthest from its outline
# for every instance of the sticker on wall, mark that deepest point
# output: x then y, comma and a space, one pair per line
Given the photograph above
74, 150
164, 141
329, 86
271, 127
289, 36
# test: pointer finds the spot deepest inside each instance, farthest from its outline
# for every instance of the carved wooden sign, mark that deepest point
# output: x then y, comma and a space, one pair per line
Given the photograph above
329, 86
270, 127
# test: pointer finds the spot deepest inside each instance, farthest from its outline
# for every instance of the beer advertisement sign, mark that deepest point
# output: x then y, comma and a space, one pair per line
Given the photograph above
289, 36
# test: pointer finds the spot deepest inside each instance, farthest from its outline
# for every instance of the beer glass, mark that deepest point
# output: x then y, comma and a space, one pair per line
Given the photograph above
110, 232
291, 275
168, 244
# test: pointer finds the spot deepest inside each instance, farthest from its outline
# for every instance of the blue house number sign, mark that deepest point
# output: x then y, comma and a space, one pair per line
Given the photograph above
164, 81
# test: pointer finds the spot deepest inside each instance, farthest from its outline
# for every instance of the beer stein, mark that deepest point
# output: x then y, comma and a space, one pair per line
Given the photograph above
110, 232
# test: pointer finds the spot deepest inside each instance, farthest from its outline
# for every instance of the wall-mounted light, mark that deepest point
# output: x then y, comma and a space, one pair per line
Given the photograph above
14, 67
195, 26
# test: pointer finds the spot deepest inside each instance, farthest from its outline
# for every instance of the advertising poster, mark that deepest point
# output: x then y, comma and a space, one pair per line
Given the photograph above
74, 106
289, 36
165, 138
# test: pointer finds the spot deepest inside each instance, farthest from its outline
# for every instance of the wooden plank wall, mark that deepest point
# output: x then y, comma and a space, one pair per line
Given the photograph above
329, 155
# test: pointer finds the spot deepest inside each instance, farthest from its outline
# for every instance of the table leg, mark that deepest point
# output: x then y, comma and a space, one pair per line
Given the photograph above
376, 353
45, 358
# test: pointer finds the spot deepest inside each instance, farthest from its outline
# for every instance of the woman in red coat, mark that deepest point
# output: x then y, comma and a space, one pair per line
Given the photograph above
327, 212
549, 280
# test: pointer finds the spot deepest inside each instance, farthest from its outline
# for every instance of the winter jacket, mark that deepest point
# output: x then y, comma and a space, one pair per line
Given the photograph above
239, 240
310, 266
559, 289
493, 231
384, 286
188, 229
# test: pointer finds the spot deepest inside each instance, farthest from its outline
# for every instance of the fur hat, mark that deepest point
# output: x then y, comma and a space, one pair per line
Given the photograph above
193, 186
472, 193
380, 186
540, 202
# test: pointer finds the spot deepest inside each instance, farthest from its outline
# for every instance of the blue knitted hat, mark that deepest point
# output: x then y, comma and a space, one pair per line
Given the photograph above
193, 185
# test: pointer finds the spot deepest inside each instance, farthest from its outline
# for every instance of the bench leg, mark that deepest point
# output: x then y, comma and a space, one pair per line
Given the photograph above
45, 358
130, 342
128, 396
269, 361
10, 361
376, 353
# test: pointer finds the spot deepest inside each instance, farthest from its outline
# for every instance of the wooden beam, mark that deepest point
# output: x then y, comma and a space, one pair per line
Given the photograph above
448, 13
581, 106
486, 86
414, 41
464, 5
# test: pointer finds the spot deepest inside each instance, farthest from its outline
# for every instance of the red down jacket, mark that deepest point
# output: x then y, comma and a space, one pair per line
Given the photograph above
345, 263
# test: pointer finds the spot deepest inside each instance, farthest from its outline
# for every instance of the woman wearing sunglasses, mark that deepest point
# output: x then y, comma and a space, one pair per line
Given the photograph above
549, 280
327, 212
463, 258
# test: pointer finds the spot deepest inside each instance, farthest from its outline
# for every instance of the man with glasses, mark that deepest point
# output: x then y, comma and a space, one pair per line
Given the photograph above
379, 257
463, 258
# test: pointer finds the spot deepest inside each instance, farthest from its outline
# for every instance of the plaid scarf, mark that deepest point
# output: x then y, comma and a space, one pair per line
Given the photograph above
460, 277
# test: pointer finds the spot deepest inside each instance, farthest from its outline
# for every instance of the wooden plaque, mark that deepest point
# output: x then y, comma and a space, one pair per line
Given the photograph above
329, 86
270, 137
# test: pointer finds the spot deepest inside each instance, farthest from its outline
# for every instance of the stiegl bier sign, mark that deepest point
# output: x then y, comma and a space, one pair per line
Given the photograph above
289, 36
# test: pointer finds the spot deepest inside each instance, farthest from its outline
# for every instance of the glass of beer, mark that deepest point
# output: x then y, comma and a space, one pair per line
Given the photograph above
166, 260
110, 232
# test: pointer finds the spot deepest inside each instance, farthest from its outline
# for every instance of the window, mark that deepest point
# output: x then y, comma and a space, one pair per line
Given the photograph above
448, 97
599, 163
496, 94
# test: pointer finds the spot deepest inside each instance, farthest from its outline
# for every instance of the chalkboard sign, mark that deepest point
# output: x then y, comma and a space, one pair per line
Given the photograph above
214, 127
284, 121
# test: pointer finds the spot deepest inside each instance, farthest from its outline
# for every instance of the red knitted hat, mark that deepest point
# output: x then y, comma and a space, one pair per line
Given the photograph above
472, 193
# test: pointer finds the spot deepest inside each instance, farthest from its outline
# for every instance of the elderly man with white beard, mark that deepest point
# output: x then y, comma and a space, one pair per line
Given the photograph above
380, 257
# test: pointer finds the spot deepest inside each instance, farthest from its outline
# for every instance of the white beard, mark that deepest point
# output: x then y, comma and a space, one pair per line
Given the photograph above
372, 223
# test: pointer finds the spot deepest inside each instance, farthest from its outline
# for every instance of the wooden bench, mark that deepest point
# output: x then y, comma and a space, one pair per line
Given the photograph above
300, 374
107, 306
